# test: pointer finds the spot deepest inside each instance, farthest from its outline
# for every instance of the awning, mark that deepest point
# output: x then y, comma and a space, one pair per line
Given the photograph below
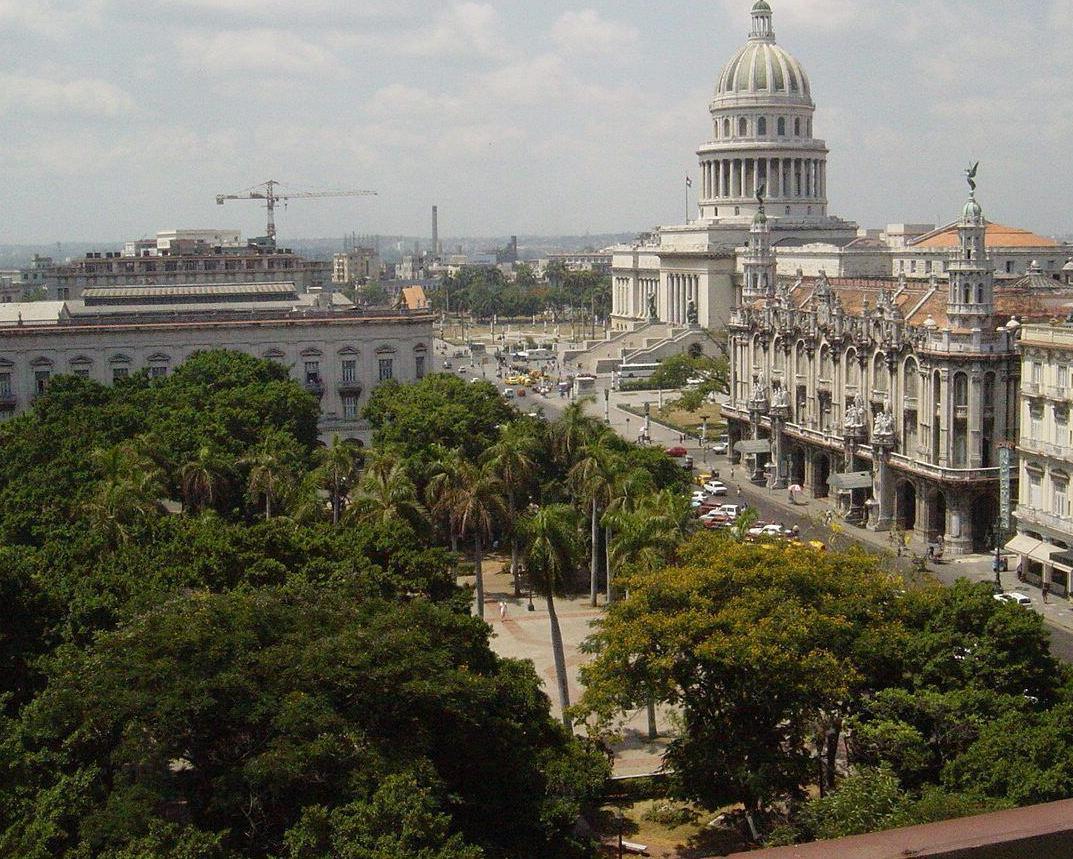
1043, 552
1022, 544
851, 480
1063, 560
758, 445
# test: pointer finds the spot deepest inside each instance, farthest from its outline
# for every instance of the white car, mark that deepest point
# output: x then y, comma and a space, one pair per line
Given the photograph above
716, 487
720, 448
772, 530
1018, 599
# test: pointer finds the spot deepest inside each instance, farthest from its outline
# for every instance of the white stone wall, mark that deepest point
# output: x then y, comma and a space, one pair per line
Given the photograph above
100, 350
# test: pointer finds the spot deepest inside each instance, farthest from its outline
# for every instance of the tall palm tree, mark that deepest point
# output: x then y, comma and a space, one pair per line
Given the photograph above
442, 481
387, 492
571, 432
128, 493
270, 472
478, 504
335, 468
203, 478
551, 554
592, 477
629, 488
513, 459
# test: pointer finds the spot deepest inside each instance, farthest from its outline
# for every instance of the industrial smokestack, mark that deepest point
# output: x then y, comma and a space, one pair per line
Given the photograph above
435, 232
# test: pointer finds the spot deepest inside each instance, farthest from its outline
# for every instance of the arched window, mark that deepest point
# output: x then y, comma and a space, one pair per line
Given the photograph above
879, 374
778, 357
782, 126
826, 368
802, 362
726, 128
853, 374
743, 127
761, 127
910, 380
797, 127
961, 390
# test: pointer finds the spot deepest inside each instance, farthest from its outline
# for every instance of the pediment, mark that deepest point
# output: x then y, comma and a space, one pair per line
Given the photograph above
42, 361
120, 358
274, 354
311, 353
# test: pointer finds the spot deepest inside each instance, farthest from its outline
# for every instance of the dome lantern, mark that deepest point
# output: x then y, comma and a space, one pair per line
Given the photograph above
762, 28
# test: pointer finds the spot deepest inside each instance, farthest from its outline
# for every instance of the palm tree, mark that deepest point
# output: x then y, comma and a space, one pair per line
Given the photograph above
335, 467
592, 476
513, 460
386, 492
203, 478
572, 431
478, 504
270, 474
551, 555
442, 481
128, 493
628, 490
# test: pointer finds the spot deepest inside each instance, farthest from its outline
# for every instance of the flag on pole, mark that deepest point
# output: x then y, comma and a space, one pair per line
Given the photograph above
689, 182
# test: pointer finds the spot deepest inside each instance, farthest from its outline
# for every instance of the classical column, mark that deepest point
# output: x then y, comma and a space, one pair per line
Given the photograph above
881, 517
741, 178
722, 177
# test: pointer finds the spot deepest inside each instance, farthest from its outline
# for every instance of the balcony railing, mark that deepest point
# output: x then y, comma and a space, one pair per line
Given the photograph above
1041, 517
1032, 389
1058, 393
938, 472
349, 386
8, 400
1046, 448
315, 386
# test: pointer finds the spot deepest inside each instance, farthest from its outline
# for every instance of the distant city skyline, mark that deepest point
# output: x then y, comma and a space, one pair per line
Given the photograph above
123, 118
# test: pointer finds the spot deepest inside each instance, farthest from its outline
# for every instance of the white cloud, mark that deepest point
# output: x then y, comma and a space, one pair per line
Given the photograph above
265, 51
465, 29
823, 15
81, 96
587, 32
51, 18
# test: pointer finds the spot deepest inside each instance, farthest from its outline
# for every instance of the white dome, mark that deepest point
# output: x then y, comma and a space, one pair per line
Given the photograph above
764, 69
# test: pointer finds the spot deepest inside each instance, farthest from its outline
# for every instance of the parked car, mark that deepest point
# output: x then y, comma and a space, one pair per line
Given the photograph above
733, 510
716, 487
447, 365
508, 393
769, 530
721, 448
521, 392
1019, 599
677, 452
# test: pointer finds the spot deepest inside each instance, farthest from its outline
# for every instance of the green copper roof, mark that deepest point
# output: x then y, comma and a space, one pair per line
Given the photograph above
761, 6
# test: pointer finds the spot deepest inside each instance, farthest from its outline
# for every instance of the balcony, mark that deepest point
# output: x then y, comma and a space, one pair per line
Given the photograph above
314, 385
1031, 389
910, 403
1031, 516
1046, 448
1060, 394
349, 386
938, 472
8, 400
961, 413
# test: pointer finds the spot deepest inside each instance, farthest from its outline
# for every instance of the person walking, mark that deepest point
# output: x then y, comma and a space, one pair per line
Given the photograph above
502, 610
1046, 592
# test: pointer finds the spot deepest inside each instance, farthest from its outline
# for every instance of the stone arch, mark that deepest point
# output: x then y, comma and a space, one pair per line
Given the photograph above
905, 505
761, 127
821, 474
880, 374
984, 518
936, 524
726, 128
797, 465
743, 127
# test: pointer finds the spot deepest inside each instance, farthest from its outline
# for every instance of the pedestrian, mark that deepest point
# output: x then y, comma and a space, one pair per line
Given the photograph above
1021, 570
1046, 591
739, 492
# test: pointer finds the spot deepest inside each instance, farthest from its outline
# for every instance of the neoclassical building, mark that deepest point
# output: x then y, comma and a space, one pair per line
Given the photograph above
894, 396
762, 141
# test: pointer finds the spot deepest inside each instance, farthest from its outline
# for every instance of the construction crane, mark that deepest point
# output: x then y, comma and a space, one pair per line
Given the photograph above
271, 193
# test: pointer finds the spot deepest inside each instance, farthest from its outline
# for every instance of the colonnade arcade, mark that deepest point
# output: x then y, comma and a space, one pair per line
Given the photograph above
783, 178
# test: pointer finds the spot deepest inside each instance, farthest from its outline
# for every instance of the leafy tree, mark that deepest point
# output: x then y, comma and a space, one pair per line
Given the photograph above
386, 493
272, 469
244, 713
440, 409
336, 465
203, 479
513, 459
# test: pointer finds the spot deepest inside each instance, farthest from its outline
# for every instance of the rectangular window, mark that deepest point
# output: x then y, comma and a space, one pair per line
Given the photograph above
1034, 432
1035, 483
420, 366
82, 372
1037, 372
5, 384
386, 369
158, 372
120, 373
350, 371
927, 267
350, 406
1063, 376
64, 293
1060, 498
312, 372
41, 380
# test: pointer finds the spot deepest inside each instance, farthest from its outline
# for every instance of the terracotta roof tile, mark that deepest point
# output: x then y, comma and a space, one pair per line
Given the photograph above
998, 236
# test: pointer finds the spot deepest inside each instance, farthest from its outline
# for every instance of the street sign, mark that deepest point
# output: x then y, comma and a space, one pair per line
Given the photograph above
1004, 460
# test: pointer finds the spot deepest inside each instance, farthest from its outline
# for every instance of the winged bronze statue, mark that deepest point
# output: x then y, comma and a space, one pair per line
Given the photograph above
971, 174
760, 196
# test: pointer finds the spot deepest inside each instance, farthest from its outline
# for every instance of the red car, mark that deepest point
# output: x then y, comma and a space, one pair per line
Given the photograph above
677, 452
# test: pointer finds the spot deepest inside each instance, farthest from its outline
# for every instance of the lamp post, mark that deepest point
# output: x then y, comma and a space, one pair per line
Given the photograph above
648, 420
607, 406
628, 436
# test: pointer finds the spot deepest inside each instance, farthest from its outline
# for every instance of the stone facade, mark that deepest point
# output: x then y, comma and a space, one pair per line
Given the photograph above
890, 395
338, 352
1044, 510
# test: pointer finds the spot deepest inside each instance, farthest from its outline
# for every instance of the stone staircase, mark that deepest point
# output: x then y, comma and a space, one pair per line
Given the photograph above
610, 354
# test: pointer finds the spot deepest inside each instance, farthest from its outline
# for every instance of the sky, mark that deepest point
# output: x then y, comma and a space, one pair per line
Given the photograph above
122, 117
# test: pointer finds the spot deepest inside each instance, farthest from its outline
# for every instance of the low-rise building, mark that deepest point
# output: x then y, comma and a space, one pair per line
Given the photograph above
1044, 512
338, 351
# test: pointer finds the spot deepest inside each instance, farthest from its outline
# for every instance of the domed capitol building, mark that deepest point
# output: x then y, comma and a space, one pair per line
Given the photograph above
763, 143
878, 368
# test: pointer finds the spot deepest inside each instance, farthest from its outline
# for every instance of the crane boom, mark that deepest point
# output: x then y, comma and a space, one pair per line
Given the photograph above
271, 195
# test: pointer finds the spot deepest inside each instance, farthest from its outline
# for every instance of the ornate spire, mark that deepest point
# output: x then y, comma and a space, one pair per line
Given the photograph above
973, 213
762, 27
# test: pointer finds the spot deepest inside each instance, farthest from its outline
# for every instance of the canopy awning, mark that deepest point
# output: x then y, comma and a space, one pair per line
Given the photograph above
1043, 552
851, 480
1063, 560
756, 445
1022, 544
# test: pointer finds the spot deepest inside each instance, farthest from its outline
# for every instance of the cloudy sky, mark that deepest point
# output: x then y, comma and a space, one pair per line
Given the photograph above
121, 117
